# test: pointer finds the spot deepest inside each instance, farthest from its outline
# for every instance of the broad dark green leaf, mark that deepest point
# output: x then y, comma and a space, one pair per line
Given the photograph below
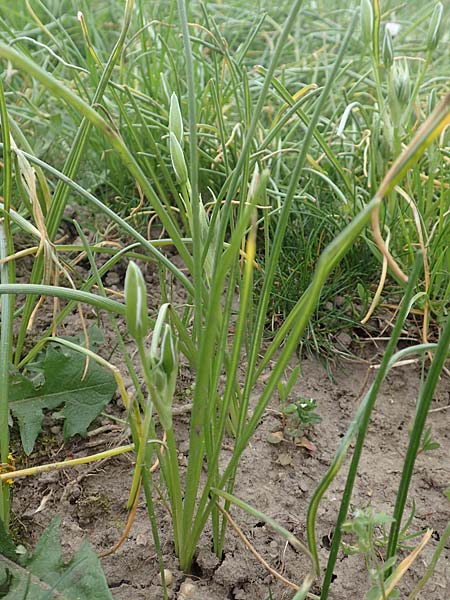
61, 384
45, 576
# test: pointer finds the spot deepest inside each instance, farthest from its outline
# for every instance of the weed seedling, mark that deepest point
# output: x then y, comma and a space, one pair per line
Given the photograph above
427, 442
366, 526
299, 415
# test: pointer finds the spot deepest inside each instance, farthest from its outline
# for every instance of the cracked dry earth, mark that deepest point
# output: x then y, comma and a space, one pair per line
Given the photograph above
277, 479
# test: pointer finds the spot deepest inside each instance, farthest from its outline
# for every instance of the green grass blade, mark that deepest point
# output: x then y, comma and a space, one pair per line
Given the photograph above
65, 294
362, 421
423, 407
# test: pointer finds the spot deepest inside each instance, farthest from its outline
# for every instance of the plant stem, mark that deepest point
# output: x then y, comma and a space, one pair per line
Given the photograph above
363, 423
7, 276
425, 399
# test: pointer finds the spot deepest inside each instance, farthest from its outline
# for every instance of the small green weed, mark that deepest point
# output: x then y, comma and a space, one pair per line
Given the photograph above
298, 415
365, 527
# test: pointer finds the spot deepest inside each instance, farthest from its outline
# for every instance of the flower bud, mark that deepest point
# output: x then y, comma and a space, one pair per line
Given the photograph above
258, 186
176, 120
401, 81
178, 162
388, 49
434, 30
136, 302
367, 20
168, 352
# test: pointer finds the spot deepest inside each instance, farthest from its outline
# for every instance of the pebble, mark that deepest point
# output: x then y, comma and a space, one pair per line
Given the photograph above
304, 487
168, 577
187, 590
141, 540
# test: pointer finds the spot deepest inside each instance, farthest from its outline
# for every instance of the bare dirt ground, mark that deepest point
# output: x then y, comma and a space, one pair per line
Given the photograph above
277, 479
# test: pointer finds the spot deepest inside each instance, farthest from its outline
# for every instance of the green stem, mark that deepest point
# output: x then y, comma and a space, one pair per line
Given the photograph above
363, 423
330, 257
169, 460
425, 399
154, 526
129, 161
7, 276
193, 173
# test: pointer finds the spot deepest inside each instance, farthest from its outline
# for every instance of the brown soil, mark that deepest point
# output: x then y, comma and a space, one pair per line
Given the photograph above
277, 479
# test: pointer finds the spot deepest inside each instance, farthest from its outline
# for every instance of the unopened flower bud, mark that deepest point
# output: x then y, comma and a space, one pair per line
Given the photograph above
367, 20
176, 120
434, 31
178, 162
258, 185
136, 302
168, 352
388, 49
402, 81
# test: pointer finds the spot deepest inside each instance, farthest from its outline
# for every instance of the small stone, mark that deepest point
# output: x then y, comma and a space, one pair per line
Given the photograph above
168, 577
339, 301
187, 590
55, 429
285, 459
304, 487
275, 437
141, 540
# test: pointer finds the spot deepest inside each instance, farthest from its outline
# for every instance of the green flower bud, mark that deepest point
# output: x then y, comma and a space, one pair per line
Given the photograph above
388, 49
401, 81
258, 186
178, 162
434, 31
367, 20
136, 302
176, 120
168, 352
